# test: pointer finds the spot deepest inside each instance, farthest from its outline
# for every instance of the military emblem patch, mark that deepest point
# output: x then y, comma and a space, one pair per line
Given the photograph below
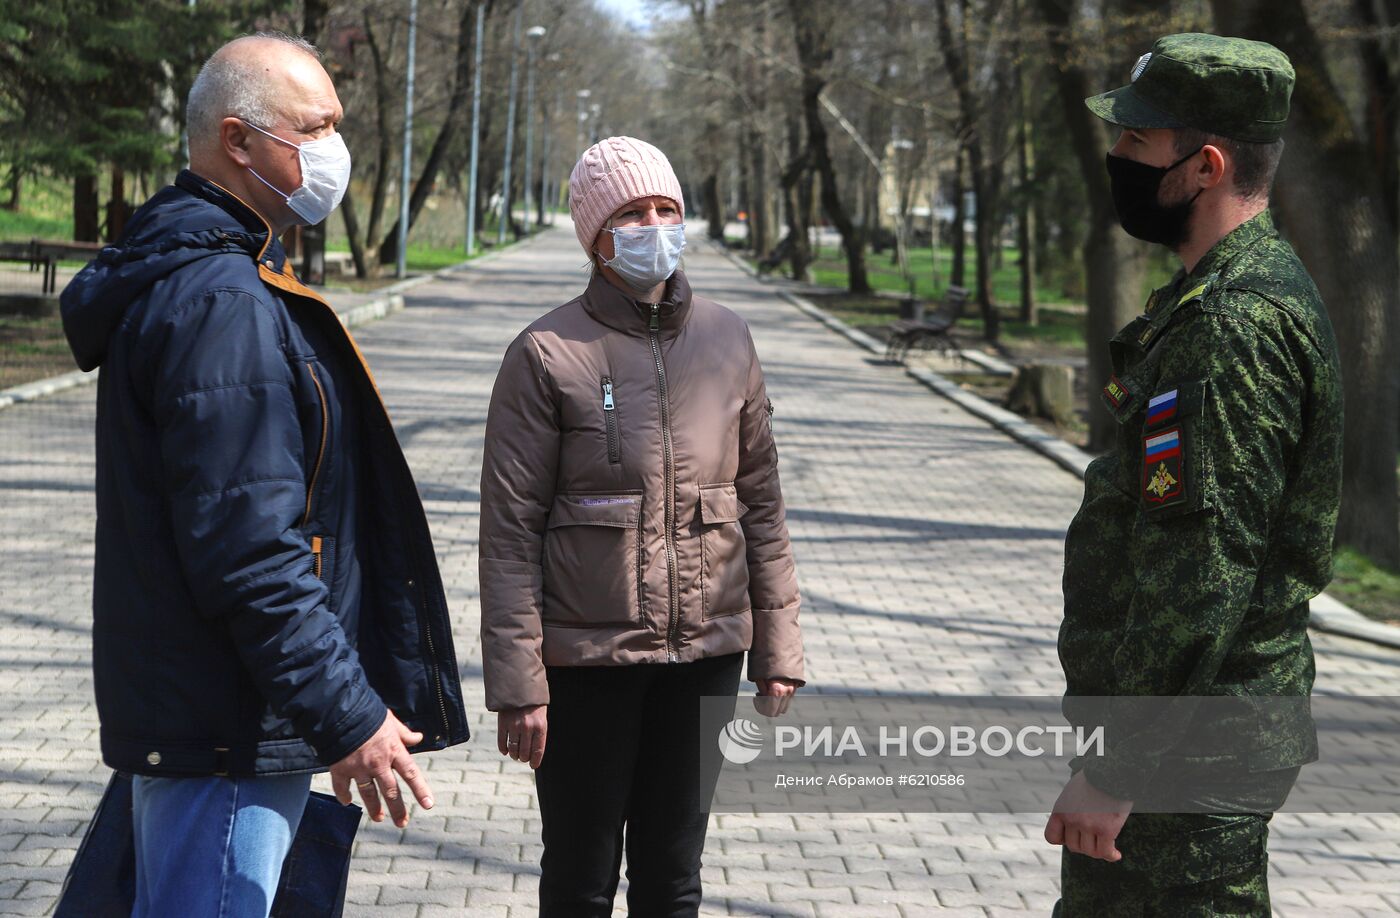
1162, 473
1115, 392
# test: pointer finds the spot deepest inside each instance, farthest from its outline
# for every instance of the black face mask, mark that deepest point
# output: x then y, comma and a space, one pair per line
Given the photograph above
1135, 187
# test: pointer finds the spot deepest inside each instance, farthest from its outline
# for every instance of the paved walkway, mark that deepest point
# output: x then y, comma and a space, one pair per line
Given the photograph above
929, 549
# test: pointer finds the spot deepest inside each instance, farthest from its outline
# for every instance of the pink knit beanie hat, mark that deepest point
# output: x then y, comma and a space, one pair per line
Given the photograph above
614, 172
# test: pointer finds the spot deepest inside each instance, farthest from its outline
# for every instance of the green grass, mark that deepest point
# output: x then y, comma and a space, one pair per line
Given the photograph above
1060, 329
431, 255
46, 208
830, 270
1367, 588
25, 226
32, 349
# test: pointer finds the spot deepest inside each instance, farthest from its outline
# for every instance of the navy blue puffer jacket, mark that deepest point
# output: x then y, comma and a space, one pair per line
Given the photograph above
265, 581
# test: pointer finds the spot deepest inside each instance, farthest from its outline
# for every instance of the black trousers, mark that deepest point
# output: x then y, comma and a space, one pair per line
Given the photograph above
622, 759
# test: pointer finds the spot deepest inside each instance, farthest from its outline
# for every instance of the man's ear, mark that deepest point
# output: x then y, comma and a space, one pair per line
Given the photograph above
1212, 171
234, 137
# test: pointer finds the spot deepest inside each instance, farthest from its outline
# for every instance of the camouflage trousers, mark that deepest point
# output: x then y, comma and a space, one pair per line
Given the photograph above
1173, 866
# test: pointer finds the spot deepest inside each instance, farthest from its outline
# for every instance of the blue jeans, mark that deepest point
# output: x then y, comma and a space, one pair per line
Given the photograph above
213, 847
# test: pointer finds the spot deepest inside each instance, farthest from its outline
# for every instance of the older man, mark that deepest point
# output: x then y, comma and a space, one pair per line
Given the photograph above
266, 600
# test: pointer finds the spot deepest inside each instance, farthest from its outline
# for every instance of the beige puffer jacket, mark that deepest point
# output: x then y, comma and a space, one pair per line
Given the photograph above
630, 504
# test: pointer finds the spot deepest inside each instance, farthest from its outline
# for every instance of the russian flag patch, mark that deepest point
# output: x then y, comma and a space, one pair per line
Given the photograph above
1161, 408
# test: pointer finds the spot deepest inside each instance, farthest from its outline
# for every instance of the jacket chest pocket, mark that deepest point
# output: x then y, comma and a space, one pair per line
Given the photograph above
724, 568
592, 560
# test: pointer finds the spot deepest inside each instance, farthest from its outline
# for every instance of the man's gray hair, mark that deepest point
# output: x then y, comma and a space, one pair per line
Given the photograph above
230, 86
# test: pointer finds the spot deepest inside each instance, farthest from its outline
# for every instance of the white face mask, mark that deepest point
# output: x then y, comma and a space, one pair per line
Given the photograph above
647, 255
325, 174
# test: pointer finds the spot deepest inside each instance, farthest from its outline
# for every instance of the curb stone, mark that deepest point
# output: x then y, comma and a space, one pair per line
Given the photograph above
388, 302
1326, 613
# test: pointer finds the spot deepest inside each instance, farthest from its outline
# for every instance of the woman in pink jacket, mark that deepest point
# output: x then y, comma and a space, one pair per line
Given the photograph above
633, 547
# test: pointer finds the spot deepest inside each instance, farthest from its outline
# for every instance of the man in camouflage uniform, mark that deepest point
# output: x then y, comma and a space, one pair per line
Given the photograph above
1205, 532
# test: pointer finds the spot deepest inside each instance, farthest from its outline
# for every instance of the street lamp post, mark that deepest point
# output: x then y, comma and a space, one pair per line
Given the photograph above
534, 35
545, 178
476, 133
510, 126
407, 175
597, 110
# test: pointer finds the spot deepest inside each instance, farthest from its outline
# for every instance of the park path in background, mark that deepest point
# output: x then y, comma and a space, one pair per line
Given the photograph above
929, 549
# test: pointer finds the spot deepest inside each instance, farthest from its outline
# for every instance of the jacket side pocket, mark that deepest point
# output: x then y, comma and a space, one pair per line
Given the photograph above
724, 578
591, 559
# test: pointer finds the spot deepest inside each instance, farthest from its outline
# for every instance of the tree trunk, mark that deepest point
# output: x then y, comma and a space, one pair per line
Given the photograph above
352, 232
313, 19
984, 185
1329, 169
814, 52
459, 103
714, 210
758, 198
379, 191
116, 205
1025, 206
1115, 264
85, 209
796, 206
958, 236
984, 230
745, 190
14, 183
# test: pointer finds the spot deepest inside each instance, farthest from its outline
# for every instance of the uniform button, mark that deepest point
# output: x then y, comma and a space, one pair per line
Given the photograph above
153, 758
410, 582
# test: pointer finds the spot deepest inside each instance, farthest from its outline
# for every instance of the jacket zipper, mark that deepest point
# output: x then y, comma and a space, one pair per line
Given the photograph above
673, 624
317, 545
610, 415
321, 450
433, 667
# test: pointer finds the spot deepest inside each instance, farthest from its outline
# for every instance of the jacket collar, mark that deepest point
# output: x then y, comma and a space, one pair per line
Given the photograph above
1234, 244
615, 309
268, 251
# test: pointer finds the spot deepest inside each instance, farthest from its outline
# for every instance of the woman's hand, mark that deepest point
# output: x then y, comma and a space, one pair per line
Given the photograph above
520, 733
774, 696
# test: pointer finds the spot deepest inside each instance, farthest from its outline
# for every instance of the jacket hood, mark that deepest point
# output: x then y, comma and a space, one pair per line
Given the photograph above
183, 223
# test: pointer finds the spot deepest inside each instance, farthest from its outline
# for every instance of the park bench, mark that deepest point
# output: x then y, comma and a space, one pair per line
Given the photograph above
928, 331
45, 254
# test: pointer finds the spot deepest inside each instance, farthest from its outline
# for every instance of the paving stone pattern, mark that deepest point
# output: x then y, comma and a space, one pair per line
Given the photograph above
929, 550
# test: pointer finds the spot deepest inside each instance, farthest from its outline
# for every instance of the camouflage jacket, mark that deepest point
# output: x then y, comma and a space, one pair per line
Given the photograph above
1203, 535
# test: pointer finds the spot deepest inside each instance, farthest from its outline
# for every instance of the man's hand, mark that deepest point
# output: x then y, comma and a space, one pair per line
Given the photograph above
520, 733
774, 696
372, 767
1087, 821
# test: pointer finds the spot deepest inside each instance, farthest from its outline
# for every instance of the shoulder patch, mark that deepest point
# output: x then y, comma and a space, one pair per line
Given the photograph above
1163, 471
1162, 407
1116, 392
1194, 293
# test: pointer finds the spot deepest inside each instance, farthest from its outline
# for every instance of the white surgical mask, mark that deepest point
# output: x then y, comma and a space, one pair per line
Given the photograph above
647, 255
325, 174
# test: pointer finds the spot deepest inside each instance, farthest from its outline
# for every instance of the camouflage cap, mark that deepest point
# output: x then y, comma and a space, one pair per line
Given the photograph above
1228, 86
